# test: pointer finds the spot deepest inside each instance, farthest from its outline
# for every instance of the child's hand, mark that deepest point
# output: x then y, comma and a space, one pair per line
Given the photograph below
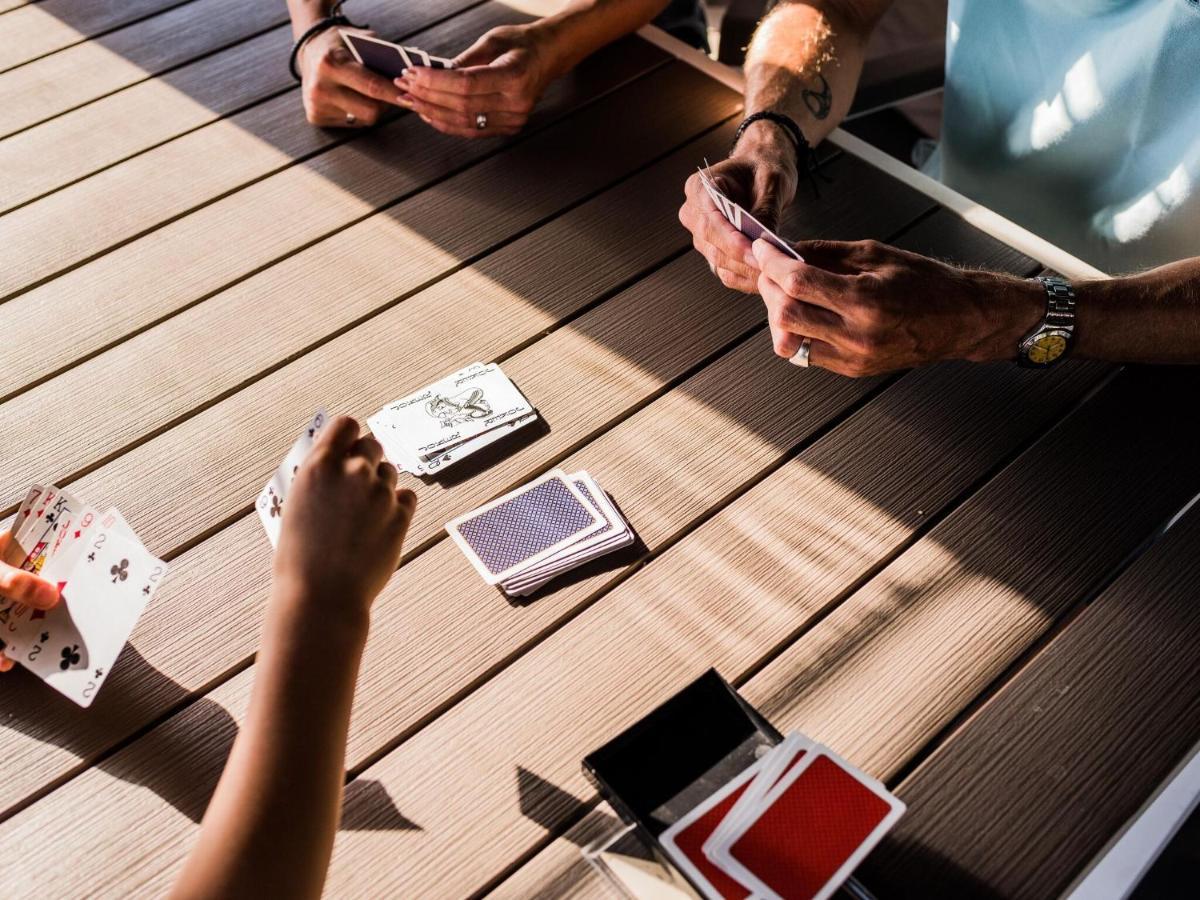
344, 521
23, 587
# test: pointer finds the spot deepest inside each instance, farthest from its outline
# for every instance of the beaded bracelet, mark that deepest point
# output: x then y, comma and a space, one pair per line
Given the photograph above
334, 19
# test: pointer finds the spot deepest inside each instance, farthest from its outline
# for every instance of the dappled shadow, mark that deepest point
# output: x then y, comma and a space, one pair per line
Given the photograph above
986, 415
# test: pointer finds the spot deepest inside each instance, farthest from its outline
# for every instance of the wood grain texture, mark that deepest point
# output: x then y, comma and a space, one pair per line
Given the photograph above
1089, 729
117, 204
560, 872
472, 626
963, 603
34, 31
83, 141
153, 381
52, 85
220, 458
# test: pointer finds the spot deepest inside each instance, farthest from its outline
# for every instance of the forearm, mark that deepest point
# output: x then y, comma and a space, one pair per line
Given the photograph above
305, 12
805, 61
1152, 317
587, 25
271, 823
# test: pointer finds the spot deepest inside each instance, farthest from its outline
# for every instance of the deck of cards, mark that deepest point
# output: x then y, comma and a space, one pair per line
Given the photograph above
531, 535
742, 220
386, 58
444, 423
794, 826
105, 579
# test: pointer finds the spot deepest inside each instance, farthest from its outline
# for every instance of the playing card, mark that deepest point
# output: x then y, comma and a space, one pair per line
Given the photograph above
24, 509
270, 502
441, 62
383, 57
744, 221
524, 527
814, 828
459, 452
787, 753
75, 645
418, 56
615, 534
451, 411
684, 840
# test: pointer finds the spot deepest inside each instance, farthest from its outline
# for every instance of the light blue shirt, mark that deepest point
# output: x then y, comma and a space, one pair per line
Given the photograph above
1080, 120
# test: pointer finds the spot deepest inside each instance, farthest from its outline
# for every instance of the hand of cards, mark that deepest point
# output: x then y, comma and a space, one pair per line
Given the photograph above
742, 220
793, 825
105, 579
447, 421
527, 537
389, 59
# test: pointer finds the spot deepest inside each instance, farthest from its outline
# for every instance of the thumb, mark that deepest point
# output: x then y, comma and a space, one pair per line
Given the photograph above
480, 53
768, 198
26, 588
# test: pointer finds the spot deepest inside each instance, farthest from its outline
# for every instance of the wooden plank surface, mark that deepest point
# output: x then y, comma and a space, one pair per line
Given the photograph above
1021, 798
839, 682
52, 85
477, 604
216, 579
83, 141
66, 228
156, 383
40, 29
689, 338
110, 298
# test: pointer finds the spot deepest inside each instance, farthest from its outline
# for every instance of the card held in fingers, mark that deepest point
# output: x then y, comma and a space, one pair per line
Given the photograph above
379, 56
522, 528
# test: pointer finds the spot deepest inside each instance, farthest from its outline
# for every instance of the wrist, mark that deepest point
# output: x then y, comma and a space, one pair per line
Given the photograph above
328, 614
1009, 309
766, 143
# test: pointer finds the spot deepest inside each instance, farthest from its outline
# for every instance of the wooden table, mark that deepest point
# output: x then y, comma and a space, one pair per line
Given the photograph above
953, 576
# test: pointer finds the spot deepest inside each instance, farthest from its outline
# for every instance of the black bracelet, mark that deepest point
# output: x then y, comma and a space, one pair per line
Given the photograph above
334, 19
806, 157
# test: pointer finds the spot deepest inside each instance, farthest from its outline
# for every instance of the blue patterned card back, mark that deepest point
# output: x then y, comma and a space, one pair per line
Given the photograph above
525, 525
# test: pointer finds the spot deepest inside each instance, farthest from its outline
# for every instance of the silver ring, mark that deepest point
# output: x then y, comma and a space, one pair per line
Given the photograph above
801, 357
481, 121
351, 118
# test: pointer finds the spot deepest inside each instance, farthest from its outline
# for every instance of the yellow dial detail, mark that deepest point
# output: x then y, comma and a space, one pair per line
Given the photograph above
1046, 348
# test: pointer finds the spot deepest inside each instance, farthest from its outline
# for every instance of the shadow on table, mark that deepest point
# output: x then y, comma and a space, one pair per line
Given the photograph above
180, 761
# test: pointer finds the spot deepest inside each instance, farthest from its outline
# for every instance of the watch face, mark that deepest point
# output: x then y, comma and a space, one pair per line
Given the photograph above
1046, 348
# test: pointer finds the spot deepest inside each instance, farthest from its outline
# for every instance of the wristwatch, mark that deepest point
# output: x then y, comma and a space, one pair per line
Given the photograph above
1051, 340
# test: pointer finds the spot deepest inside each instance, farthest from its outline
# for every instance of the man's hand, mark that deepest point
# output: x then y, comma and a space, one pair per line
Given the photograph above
23, 587
344, 522
869, 308
337, 90
503, 76
761, 177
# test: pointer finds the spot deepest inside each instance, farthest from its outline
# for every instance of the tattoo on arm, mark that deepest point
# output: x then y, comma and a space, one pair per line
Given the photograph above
819, 101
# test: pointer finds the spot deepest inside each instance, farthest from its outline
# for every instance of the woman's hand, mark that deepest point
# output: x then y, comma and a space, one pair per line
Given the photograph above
501, 78
23, 587
338, 91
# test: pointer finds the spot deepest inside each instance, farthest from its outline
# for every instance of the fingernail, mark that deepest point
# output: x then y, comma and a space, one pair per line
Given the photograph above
404, 100
426, 119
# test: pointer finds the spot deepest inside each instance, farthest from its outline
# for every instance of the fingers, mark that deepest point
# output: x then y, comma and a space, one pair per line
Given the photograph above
388, 474
6, 664
468, 80
791, 315
27, 588
800, 279
466, 104
480, 53
368, 448
464, 125
339, 437
362, 81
